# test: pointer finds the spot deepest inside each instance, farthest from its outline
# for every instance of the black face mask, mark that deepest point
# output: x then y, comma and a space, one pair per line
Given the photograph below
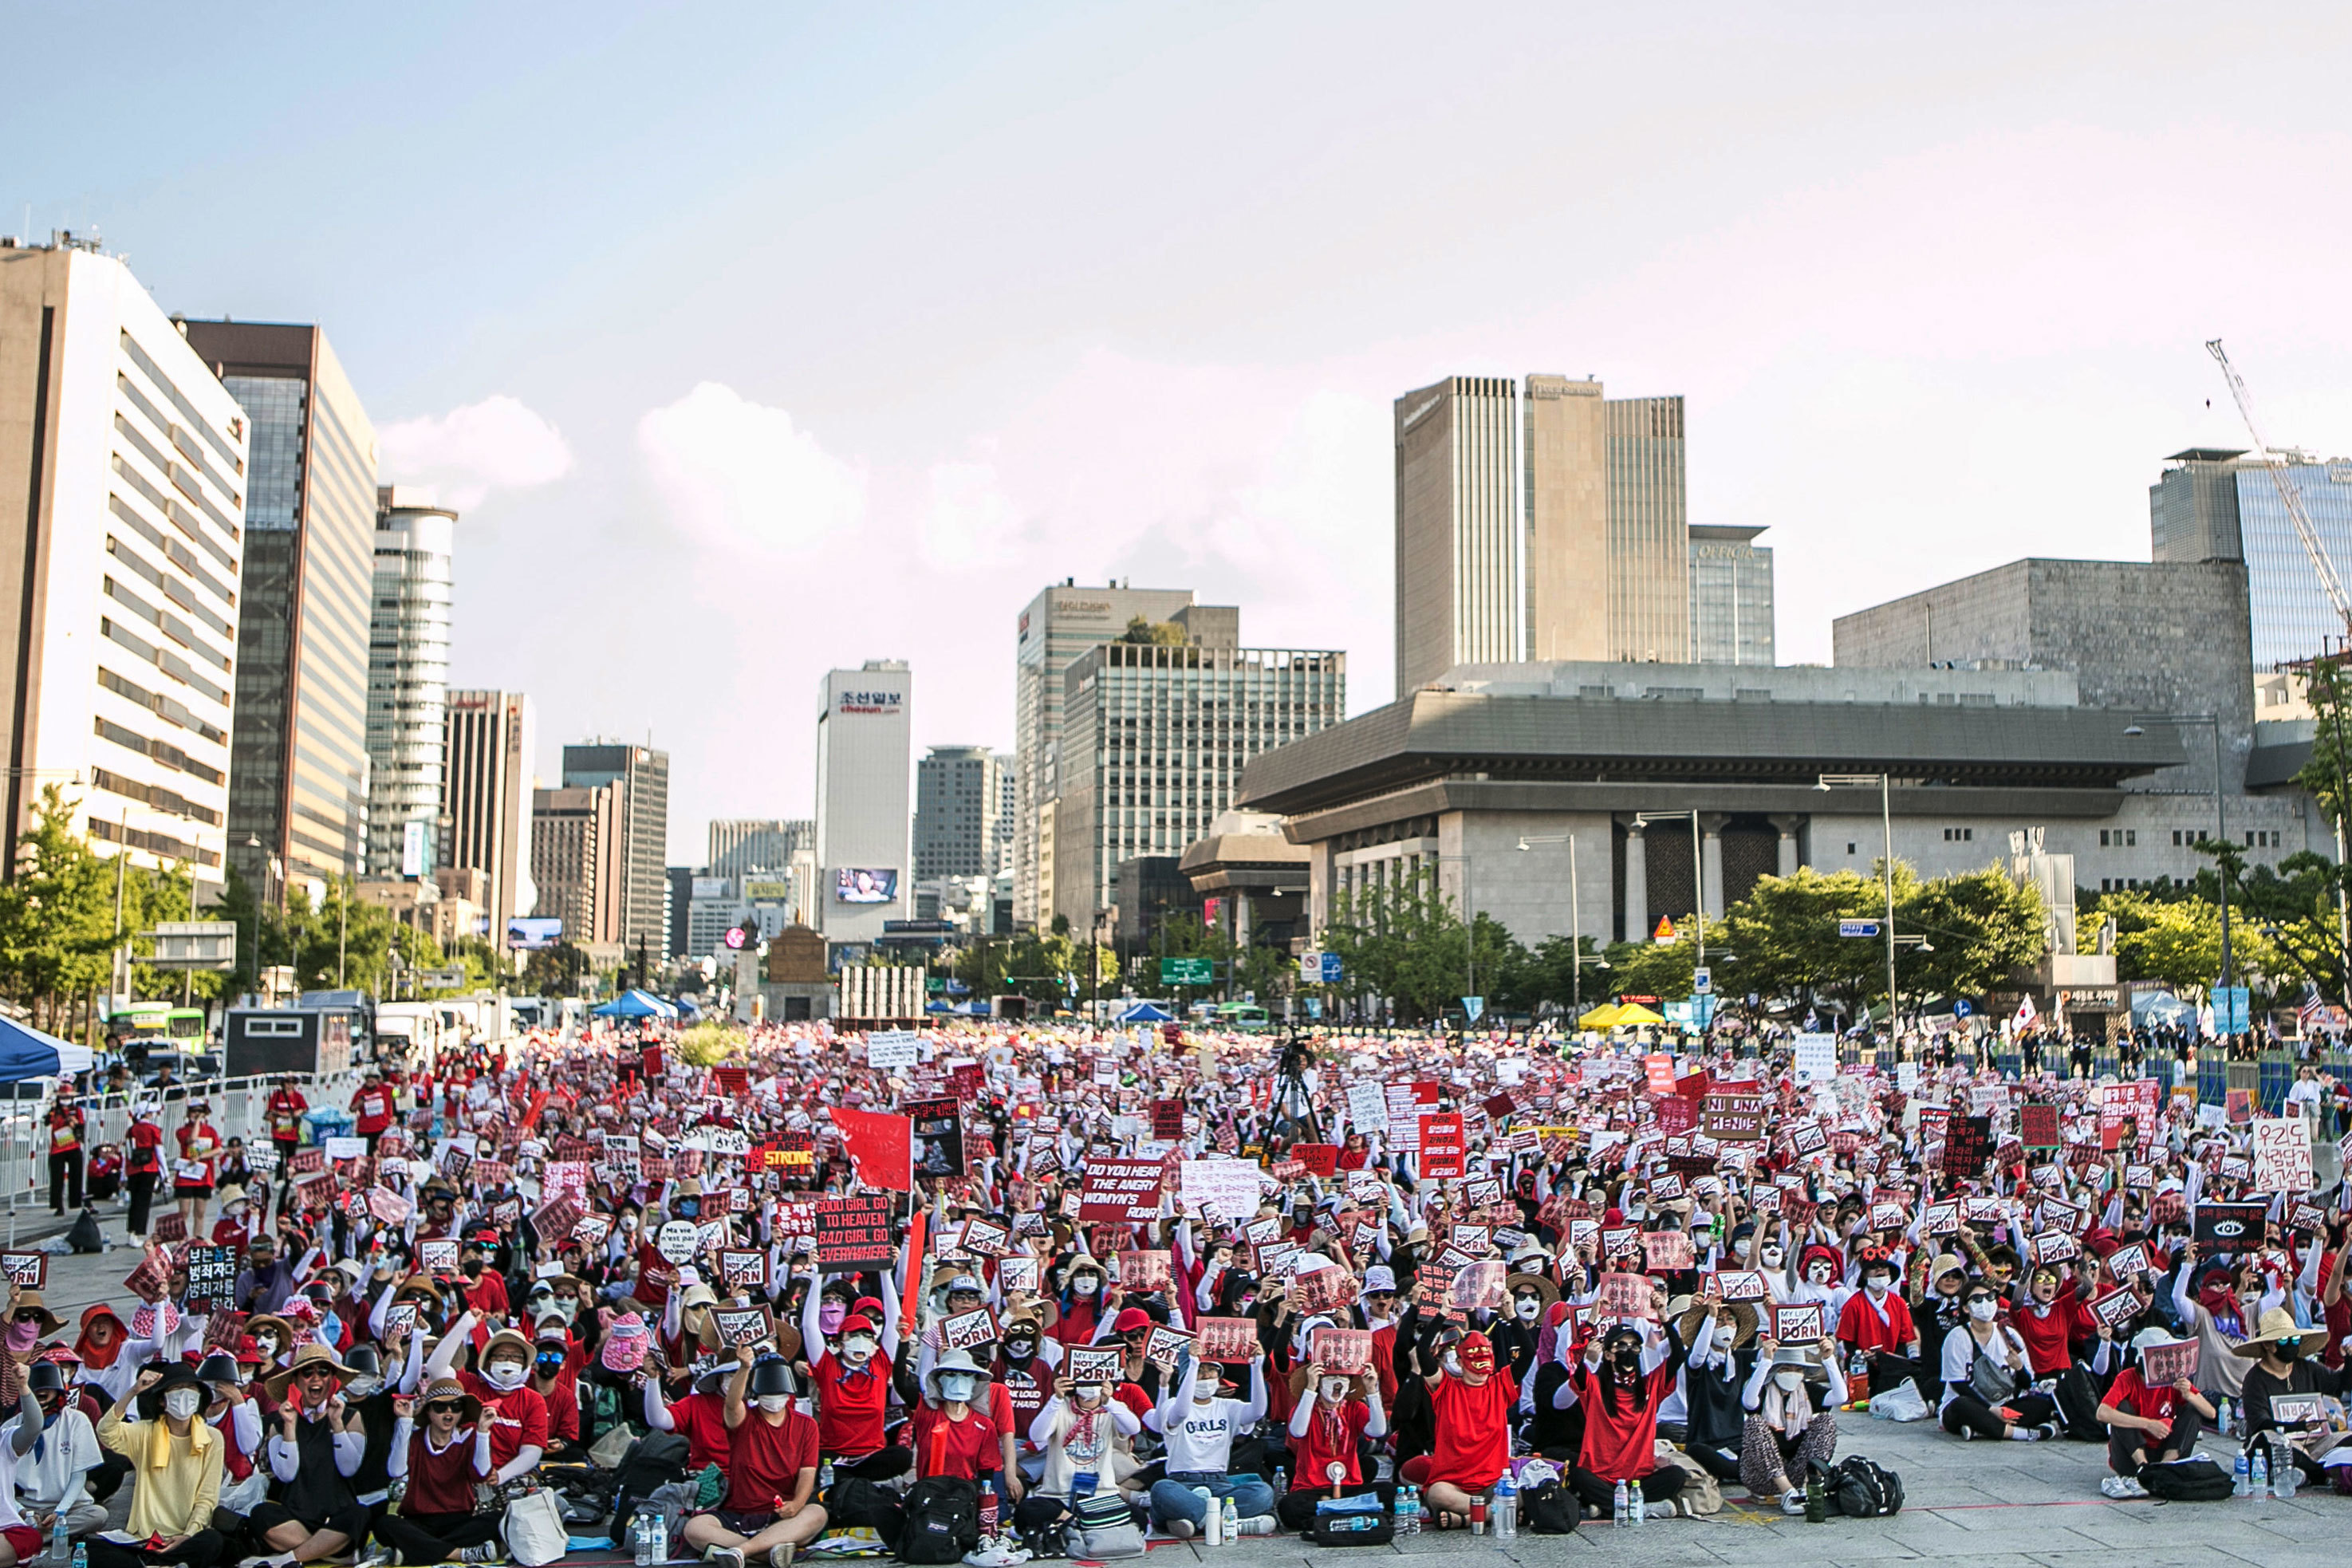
2287, 1349
1020, 1350
473, 1269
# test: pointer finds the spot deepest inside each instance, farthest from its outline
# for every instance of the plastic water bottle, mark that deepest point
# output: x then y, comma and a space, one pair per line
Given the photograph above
1407, 1510
1622, 1514
659, 1531
641, 1545
1641, 1508
1230, 1516
1507, 1507
824, 1478
2261, 1480
2285, 1477
81, 1554
2241, 1476
60, 1544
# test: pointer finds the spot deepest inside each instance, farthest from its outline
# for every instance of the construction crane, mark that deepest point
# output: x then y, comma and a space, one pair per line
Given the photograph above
2290, 494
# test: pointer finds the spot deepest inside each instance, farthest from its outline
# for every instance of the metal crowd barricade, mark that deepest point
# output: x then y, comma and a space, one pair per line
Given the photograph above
239, 1107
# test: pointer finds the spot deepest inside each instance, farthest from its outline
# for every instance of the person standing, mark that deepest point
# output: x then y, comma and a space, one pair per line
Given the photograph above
372, 1107
67, 1129
284, 1114
143, 1165
192, 1173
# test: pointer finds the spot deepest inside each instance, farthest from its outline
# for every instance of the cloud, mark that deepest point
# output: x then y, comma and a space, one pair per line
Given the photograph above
497, 444
740, 476
971, 521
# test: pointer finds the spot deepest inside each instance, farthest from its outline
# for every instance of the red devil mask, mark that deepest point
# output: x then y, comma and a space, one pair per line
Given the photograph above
1477, 1355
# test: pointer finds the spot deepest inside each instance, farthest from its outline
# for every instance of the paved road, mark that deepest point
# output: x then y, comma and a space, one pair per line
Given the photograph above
1967, 1505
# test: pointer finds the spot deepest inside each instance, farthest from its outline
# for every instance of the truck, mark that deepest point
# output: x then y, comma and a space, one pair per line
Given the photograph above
261, 1041
409, 1033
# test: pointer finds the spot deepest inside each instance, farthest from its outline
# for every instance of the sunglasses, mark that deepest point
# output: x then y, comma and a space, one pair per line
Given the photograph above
316, 1372
29, 1317
443, 1408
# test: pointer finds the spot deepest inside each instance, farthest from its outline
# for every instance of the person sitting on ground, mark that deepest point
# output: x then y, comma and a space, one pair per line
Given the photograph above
53, 1474
1334, 1414
1078, 1429
313, 1455
2282, 1366
176, 1461
1876, 1324
769, 1506
1987, 1370
443, 1461
1199, 1425
2148, 1424
1622, 1382
1792, 1431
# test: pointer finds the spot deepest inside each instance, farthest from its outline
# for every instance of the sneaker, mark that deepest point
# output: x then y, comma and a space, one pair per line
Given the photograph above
1663, 1509
990, 1556
483, 1551
1183, 1529
2046, 1433
1262, 1525
781, 1556
1793, 1502
2114, 1486
723, 1556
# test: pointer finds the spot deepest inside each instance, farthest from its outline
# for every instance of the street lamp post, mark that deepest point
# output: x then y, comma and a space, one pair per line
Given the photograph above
1886, 866
1575, 920
2221, 811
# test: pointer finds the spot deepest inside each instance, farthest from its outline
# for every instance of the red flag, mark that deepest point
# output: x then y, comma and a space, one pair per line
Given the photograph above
881, 1147
913, 1266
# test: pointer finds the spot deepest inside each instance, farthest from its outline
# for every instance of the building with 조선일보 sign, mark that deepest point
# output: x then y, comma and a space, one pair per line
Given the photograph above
865, 763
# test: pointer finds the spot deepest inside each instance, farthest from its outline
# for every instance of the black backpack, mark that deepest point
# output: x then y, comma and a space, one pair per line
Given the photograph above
2187, 1480
1550, 1509
652, 1462
854, 1502
942, 1520
1861, 1489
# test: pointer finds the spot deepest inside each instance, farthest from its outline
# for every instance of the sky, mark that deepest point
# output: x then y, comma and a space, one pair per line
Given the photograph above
754, 341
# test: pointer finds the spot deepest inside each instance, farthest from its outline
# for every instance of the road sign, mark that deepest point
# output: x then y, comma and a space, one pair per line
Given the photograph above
442, 979
2230, 1004
1310, 967
1474, 1007
192, 944
1962, 1007
1187, 972
1334, 971
1857, 928
1702, 982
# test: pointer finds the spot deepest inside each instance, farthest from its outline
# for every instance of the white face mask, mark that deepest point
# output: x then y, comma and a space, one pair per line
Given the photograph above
1204, 1389
504, 1375
772, 1403
856, 1348
1875, 1286
1528, 1306
1452, 1363
1743, 1246
268, 1344
1819, 1274
1984, 1312
1085, 1285
1772, 1256
1334, 1390
182, 1402
1788, 1382
1088, 1392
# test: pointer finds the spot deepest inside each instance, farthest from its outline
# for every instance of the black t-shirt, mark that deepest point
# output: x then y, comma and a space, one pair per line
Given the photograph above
2303, 1376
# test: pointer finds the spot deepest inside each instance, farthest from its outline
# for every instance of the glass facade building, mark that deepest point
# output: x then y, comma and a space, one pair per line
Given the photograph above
1730, 596
2218, 504
1154, 740
299, 766
639, 830
408, 684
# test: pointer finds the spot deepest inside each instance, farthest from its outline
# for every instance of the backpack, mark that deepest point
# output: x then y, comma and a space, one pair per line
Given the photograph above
852, 1502
1105, 1528
653, 1461
2187, 1480
1861, 1489
2078, 1405
1358, 1521
942, 1520
1043, 1525
1550, 1509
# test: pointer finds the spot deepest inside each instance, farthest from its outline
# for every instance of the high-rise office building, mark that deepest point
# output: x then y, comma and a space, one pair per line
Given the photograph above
642, 774
122, 546
863, 764
756, 844
1008, 806
1730, 596
1154, 739
1060, 623
681, 907
2215, 504
1543, 522
489, 741
298, 762
408, 682
957, 804
577, 837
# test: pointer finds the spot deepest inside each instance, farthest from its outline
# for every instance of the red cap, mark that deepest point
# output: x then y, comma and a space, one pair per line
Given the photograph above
1132, 1319
856, 1324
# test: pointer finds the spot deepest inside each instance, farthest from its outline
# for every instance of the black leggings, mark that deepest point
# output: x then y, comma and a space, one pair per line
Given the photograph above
142, 1198
878, 1466
64, 1169
1967, 1412
1591, 1489
201, 1550
435, 1537
2123, 1442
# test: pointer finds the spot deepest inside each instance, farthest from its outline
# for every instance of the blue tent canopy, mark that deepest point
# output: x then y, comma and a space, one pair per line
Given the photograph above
27, 1052
1147, 1013
635, 1004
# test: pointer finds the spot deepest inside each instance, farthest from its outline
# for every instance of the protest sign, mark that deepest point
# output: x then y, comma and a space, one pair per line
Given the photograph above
2162, 1365
212, 1277
1445, 1146
962, 1330
1168, 1119
1367, 1107
2128, 1261
1740, 1284
853, 1232
938, 1136
2038, 1126
1104, 1366
2233, 1227
677, 1241
2281, 1161
891, 1050
743, 1269
1143, 1271
153, 1273
1164, 1345
31, 1270
2117, 1308
1968, 1144
1321, 1160
1341, 1352
2056, 1246
1624, 1295
225, 1331
345, 1148
1666, 1250
1323, 1290
1733, 1117
1799, 1324
2296, 1409
1125, 1191
743, 1325
588, 1230
1816, 1058
438, 1258
986, 1237
1018, 1276
1225, 1339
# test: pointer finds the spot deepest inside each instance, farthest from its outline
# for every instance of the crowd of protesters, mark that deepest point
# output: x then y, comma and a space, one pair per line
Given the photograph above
991, 1282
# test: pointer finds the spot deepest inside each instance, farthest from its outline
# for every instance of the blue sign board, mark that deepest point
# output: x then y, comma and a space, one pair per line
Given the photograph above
1857, 928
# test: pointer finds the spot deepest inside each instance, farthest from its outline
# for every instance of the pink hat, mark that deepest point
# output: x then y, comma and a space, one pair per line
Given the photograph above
625, 1345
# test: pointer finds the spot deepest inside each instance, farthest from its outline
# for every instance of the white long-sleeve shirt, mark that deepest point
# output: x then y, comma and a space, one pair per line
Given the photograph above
286, 1459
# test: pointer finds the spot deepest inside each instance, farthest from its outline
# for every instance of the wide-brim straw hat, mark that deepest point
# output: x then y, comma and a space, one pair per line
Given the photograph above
1543, 1288
2278, 1324
1687, 1312
30, 1300
469, 1409
313, 1354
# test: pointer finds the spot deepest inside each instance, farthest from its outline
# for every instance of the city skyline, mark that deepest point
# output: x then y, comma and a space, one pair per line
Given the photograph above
1856, 296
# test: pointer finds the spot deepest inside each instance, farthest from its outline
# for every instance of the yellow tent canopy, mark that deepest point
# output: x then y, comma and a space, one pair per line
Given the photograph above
1602, 1017
1633, 1013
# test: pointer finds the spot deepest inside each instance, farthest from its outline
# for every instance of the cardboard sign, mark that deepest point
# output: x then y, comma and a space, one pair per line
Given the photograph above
2056, 1246
743, 1269
1324, 1290
2115, 1308
344, 1148
1740, 1284
1666, 1251
962, 1330
1797, 1325
1733, 1117
1101, 1366
676, 1241
939, 1137
2234, 1227
438, 1256
2282, 1154
1127, 1191
169, 1228
1341, 1352
2128, 1261
1168, 1119
1445, 1146
1018, 1276
1164, 1346
743, 1325
1225, 1339
853, 1232
2295, 1409
2038, 1126
2163, 1365
1143, 1271
212, 1277
1624, 1296
31, 1270
1321, 1160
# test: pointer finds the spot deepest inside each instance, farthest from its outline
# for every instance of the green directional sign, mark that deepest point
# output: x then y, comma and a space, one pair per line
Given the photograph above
1187, 972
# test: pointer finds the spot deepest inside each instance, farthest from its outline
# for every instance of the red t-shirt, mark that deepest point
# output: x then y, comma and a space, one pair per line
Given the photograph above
1859, 1324
968, 1449
702, 1419
1331, 1438
146, 1138
849, 1406
2129, 1393
2047, 1336
561, 1398
373, 1109
1621, 1437
520, 1420
1474, 1430
765, 1460
286, 1109
442, 1482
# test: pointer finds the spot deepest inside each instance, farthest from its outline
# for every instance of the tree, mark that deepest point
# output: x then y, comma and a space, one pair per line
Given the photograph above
1660, 969
1785, 932
1404, 940
1980, 926
555, 970
1154, 633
